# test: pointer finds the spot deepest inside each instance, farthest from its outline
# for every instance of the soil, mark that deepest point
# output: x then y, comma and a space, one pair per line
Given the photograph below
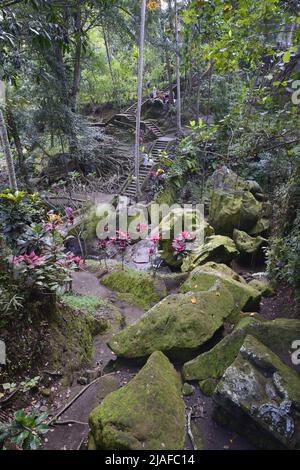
281, 304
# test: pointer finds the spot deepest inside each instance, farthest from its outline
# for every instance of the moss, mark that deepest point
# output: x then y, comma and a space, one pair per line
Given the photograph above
263, 287
104, 315
261, 227
179, 322
87, 303
71, 340
145, 414
277, 335
136, 287
208, 386
167, 196
204, 278
246, 244
187, 389
218, 248
223, 268
233, 209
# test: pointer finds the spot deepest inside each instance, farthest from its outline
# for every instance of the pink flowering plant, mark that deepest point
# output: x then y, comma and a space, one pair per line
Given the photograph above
49, 272
180, 244
120, 241
153, 251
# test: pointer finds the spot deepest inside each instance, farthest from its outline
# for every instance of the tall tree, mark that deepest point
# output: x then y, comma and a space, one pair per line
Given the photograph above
7, 153
178, 79
140, 97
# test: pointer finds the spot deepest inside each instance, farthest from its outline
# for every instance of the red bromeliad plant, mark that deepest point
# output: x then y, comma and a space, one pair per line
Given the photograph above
153, 251
121, 241
49, 272
180, 244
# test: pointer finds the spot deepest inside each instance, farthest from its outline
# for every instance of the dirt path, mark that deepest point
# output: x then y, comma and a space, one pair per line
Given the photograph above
74, 435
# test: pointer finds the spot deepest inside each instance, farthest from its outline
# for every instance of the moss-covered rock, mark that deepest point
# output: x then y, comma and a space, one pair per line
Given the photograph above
224, 178
249, 247
216, 248
261, 227
187, 389
224, 269
179, 322
145, 414
230, 210
71, 339
173, 224
277, 335
204, 278
258, 386
136, 287
105, 315
264, 288
167, 196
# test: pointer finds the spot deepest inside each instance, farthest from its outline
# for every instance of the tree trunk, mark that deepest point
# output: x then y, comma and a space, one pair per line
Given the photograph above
140, 97
170, 80
7, 153
178, 101
14, 134
109, 61
77, 65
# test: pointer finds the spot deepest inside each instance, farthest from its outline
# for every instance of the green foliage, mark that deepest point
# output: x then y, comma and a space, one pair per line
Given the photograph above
25, 431
17, 212
190, 157
283, 257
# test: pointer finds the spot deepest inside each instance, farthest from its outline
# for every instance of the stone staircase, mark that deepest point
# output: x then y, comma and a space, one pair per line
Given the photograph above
160, 145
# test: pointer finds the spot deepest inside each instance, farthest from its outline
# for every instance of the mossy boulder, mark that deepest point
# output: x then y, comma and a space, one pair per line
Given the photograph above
71, 339
173, 224
277, 335
167, 196
204, 278
104, 314
263, 287
224, 178
139, 288
262, 227
146, 414
259, 389
224, 269
230, 210
177, 323
187, 389
218, 248
249, 247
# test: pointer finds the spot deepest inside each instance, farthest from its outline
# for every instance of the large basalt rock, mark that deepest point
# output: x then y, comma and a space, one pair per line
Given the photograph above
179, 322
209, 367
145, 414
233, 209
204, 278
263, 287
172, 225
261, 227
261, 395
249, 247
137, 287
224, 178
218, 248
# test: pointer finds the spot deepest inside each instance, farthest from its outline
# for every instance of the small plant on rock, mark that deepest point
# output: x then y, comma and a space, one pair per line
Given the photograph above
25, 431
